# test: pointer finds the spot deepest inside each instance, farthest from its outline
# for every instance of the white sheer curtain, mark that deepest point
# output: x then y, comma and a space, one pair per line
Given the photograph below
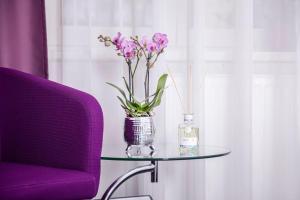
245, 57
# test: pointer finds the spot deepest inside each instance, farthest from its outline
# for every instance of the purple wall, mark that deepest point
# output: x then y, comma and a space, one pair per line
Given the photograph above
23, 42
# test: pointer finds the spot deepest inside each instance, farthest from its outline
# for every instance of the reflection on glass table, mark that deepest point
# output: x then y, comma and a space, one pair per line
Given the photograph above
163, 152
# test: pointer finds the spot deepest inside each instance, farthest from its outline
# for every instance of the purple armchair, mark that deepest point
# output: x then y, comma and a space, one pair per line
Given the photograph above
50, 139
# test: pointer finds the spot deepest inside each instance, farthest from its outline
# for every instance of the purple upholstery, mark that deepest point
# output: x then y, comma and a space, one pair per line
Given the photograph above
20, 181
43, 123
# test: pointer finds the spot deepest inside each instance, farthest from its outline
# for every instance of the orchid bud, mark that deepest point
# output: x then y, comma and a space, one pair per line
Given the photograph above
107, 44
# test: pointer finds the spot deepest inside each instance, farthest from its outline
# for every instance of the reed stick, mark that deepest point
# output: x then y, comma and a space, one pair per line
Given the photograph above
176, 88
189, 89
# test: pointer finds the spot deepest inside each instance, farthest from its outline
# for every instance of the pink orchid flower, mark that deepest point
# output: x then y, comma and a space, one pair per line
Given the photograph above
160, 40
128, 48
117, 40
151, 47
148, 44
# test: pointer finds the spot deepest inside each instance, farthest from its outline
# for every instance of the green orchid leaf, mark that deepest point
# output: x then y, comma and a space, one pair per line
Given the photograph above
145, 105
128, 103
131, 105
158, 98
119, 89
161, 82
137, 106
125, 108
122, 101
152, 95
159, 91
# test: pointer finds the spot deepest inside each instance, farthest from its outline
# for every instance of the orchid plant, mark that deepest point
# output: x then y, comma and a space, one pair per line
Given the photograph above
133, 50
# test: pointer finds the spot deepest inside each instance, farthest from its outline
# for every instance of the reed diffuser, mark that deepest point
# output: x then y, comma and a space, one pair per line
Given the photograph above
188, 132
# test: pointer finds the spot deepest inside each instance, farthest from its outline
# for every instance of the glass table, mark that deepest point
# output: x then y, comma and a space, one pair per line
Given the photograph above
163, 152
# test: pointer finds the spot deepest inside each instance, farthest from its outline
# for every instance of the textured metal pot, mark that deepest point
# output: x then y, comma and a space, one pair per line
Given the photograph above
139, 131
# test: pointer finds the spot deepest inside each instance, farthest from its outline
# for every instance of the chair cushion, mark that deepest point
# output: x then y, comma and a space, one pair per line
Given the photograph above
21, 181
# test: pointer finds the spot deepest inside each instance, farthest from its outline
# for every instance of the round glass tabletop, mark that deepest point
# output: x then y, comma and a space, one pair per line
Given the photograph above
162, 153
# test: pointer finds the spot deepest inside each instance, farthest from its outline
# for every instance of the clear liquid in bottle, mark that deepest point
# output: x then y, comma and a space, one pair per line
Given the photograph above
188, 136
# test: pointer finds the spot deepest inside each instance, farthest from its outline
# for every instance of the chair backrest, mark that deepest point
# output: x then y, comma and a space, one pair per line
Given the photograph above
46, 123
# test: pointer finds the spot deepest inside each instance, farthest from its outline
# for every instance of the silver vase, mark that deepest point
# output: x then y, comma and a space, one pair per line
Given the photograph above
139, 131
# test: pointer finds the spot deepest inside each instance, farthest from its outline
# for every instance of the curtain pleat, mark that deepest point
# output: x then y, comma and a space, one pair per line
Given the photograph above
23, 43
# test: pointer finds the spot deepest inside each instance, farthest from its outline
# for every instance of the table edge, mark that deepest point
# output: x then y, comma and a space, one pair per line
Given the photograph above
169, 159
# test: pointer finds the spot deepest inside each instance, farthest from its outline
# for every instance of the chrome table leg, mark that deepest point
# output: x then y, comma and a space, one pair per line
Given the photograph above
153, 168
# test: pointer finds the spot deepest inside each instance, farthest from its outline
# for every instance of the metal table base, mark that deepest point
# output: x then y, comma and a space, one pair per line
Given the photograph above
152, 168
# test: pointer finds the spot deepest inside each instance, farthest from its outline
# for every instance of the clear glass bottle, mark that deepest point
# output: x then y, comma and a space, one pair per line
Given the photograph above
188, 136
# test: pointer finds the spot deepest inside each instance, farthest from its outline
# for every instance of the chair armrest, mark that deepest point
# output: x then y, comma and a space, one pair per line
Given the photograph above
49, 124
